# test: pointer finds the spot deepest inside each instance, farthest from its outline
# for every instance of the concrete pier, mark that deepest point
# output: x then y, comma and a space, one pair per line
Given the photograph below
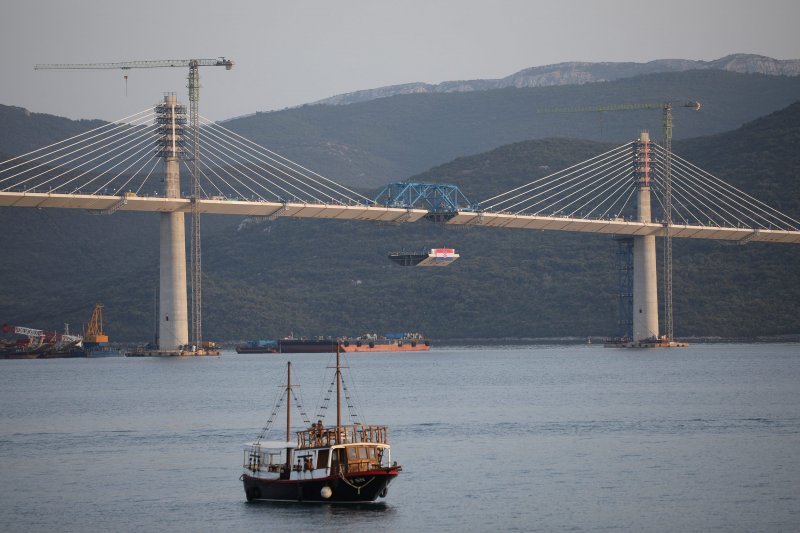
645, 287
173, 330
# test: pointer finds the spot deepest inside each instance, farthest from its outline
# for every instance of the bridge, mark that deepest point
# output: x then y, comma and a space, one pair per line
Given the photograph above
134, 164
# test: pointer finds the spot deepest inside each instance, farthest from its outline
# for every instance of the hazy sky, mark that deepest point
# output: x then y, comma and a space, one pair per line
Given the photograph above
292, 52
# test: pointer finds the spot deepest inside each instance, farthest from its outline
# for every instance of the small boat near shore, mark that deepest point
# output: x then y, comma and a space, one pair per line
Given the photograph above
20, 342
336, 464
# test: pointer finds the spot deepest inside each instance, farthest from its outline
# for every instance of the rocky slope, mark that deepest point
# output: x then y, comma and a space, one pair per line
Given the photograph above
574, 73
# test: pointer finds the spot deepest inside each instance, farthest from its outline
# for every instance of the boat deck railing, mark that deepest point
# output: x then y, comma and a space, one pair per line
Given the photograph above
318, 436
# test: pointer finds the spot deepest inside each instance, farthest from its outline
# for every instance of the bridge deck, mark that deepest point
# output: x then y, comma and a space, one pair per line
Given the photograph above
622, 227
211, 207
388, 214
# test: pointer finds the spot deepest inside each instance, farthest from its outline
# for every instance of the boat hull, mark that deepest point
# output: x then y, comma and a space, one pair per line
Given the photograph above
360, 487
100, 349
22, 354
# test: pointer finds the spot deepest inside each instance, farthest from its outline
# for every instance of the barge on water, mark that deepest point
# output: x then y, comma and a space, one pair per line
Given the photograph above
370, 342
652, 342
436, 257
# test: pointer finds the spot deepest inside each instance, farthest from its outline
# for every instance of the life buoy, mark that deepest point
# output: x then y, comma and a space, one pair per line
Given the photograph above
371, 344
427, 343
358, 343
346, 344
413, 344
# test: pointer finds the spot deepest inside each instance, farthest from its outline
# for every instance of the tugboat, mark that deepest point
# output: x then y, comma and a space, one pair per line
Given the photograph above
338, 464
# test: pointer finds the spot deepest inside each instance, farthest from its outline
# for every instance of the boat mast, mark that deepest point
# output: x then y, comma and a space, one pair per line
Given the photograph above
338, 396
288, 412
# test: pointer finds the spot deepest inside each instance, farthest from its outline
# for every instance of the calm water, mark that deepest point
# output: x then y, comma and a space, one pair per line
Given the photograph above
517, 438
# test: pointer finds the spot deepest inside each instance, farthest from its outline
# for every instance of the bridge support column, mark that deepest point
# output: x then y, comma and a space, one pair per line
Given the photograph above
173, 328
645, 284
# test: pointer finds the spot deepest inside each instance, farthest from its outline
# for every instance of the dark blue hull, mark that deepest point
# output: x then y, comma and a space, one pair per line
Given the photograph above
289, 346
361, 487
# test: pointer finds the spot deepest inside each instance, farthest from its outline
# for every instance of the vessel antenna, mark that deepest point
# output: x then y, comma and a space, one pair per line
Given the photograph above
338, 395
288, 413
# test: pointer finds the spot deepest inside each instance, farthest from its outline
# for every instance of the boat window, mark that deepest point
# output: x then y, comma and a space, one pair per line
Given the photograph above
322, 459
362, 452
352, 452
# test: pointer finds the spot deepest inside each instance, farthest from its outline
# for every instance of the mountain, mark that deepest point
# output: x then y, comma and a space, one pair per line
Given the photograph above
576, 73
315, 277
23, 131
373, 143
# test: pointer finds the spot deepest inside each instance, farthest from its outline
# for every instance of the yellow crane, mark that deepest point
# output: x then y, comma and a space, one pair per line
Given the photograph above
194, 122
94, 331
666, 108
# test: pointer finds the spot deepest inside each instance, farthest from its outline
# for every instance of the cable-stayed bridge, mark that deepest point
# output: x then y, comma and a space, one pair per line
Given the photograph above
117, 167
135, 164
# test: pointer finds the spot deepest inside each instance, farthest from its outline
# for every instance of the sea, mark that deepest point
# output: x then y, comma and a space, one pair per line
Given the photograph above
543, 437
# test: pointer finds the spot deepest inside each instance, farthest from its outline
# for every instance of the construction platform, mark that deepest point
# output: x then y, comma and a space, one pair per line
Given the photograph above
186, 351
646, 343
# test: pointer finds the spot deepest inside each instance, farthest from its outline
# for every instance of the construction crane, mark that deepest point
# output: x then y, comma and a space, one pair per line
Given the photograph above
94, 332
194, 122
666, 108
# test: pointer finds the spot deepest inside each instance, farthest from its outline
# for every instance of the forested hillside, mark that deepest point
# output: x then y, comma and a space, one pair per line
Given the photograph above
376, 142
373, 143
312, 277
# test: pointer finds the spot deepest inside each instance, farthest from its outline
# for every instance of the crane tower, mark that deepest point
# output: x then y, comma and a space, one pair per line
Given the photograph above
639, 291
173, 326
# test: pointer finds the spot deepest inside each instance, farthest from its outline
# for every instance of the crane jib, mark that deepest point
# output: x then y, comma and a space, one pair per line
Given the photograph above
126, 65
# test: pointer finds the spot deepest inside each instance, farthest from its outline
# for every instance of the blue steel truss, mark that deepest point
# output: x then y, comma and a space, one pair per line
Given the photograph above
439, 199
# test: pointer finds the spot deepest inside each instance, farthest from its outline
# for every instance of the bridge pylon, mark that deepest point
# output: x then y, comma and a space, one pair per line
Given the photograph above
639, 323
645, 284
173, 323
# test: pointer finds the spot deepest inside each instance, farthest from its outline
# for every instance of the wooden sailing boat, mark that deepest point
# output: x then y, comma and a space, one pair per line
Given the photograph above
341, 464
